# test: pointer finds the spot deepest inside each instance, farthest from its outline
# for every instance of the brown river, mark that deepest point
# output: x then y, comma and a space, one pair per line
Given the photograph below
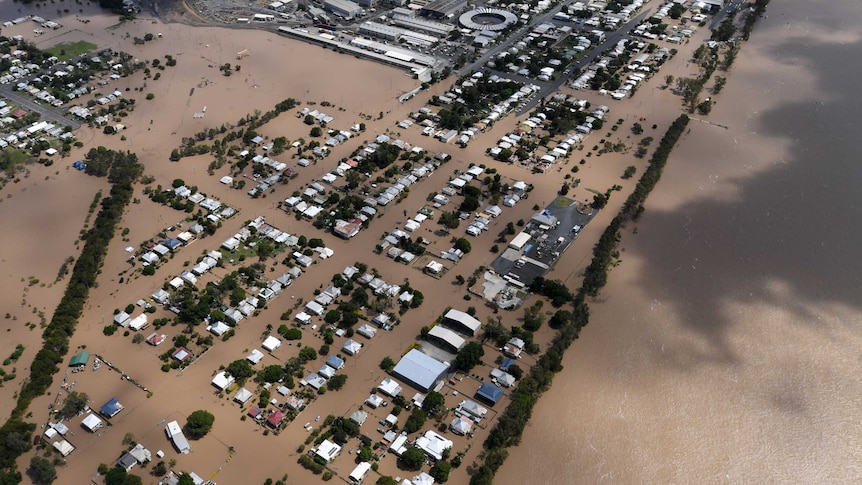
726, 347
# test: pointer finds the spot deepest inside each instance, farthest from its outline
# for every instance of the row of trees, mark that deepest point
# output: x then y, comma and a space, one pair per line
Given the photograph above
122, 170
605, 252
510, 426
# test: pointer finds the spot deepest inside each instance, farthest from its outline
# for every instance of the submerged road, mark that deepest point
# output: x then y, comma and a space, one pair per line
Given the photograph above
48, 113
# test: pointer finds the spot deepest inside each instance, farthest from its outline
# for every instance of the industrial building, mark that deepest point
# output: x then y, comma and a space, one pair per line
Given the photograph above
428, 26
448, 339
381, 31
343, 8
441, 9
461, 322
420, 371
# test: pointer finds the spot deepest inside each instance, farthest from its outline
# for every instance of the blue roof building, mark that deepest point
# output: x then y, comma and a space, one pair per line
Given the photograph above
111, 408
173, 244
507, 362
490, 393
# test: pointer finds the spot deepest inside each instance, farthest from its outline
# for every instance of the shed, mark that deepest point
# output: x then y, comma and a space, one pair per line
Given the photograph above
80, 359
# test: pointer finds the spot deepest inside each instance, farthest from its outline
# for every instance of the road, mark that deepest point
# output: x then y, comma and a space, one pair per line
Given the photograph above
550, 87
48, 113
611, 40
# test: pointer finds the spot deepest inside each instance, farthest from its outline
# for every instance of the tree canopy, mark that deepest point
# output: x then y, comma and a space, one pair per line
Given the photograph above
433, 402
413, 458
41, 471
75, 403
469, 356
118, 476
240, 369
199, 423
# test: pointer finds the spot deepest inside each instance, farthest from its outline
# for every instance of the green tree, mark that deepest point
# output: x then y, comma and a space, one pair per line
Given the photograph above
186, 479
365, 453
440, 471
469, 356
118, 476
463, 245
413, 459
272, 373
159, 469
75, 403
240, 369
307, 354
415, 421
560, 318
41, 471
332, 317
564, 189
199, 423
387, 364
337, 382
384, 480
433, 402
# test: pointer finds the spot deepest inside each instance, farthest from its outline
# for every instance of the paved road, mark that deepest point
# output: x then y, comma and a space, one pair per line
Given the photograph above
611, 40
48, 113
477, 65
548, 88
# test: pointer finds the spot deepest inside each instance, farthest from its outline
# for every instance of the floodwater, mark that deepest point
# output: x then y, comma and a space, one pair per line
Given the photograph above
726, 346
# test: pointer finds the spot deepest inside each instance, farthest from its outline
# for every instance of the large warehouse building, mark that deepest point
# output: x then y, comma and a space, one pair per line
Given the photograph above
420, 371
461, 322
446, 338
441, 9
343, 8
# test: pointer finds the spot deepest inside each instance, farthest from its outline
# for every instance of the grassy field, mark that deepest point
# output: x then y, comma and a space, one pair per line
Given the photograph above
10, 160
67, 50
